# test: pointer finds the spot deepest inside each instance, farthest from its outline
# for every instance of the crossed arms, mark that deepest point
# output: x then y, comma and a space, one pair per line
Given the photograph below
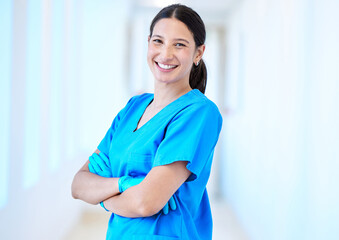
142, 200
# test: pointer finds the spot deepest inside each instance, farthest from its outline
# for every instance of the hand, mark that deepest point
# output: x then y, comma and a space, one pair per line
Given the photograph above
99, 164
170, 204
126, 182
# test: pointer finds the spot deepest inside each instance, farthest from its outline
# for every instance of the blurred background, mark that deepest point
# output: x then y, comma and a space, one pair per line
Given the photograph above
68, 66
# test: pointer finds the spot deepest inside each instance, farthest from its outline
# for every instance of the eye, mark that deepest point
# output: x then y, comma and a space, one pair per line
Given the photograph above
157, 41
180, 45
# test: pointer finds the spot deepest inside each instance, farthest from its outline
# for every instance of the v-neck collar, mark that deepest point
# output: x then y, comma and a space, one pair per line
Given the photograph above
142, 112
172, 105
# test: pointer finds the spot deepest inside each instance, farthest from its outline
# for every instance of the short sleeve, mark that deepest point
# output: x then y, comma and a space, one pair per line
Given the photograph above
106, 141
191, 136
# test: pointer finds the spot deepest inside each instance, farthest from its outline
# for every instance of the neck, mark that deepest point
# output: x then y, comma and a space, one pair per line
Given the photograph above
164, 94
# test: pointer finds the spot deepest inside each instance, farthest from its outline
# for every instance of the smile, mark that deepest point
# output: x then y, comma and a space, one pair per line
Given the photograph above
165, 66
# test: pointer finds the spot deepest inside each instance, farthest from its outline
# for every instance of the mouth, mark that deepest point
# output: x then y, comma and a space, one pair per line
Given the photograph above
165, 67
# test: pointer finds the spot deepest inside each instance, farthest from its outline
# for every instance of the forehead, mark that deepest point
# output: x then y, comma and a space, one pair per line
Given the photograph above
172, 28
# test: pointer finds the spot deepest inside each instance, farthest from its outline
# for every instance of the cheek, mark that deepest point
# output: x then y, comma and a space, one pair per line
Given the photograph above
150, 57
187, 57
150, 53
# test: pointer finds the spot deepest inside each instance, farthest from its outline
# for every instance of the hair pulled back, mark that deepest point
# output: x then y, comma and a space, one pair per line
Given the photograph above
198, 75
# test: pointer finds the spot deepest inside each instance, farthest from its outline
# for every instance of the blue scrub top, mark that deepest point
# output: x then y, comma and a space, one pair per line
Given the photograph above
185, 130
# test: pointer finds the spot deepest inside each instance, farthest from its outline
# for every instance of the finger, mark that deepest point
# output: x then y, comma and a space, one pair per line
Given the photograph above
95, 165
90, 168
165, 209
100, 161
172, 203
105, 158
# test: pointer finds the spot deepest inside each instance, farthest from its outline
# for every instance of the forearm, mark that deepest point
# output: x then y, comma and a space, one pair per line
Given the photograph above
151, 195
133, 203
92, 188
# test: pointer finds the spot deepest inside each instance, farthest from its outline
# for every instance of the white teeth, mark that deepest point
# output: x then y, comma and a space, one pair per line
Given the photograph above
166, 66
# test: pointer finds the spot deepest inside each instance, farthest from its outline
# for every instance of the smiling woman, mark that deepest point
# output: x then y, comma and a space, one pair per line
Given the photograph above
179, 36
171, 52
151, 168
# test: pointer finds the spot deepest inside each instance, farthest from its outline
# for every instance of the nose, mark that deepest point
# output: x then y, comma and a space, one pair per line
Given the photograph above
167, 53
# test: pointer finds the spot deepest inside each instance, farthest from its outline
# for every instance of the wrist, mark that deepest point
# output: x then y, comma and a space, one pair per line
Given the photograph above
122, 183
102, 205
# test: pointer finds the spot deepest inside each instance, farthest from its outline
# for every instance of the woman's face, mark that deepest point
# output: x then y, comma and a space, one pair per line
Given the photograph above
172, 51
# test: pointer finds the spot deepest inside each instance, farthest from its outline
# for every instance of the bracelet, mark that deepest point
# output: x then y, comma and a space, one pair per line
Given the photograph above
102, 205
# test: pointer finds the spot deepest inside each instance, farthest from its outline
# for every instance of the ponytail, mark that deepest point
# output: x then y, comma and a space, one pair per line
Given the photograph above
198, 77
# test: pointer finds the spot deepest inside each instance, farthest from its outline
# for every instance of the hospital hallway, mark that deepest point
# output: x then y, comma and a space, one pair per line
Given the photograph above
67, 67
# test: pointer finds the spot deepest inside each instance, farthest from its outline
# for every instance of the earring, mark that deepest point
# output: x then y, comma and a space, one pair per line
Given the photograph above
197, 63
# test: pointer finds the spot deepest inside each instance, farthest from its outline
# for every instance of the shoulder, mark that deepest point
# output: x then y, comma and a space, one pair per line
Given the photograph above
143, 96
196, 108
200, 103
137, 99
133, 103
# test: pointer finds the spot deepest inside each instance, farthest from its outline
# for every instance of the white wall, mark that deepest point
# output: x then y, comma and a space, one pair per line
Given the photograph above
62, 70
280, 156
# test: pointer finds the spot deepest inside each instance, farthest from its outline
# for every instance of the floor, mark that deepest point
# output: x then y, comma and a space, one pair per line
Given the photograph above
92, 225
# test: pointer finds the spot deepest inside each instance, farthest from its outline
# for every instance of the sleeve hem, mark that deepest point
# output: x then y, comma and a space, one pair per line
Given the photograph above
194, 173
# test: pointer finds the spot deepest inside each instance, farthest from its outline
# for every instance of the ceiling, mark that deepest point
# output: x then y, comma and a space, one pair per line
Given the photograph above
208, 8
198, 5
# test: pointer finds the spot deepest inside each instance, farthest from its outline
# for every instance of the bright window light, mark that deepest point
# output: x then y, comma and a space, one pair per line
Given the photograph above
31, 168
5, 96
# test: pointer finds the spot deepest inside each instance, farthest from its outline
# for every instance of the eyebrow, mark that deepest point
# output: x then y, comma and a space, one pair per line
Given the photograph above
176, 39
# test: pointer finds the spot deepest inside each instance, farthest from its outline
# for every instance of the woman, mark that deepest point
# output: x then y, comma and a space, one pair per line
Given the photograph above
152, 167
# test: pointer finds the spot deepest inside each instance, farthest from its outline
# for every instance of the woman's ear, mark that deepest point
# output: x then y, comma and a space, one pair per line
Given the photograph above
149, 38
199, 53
